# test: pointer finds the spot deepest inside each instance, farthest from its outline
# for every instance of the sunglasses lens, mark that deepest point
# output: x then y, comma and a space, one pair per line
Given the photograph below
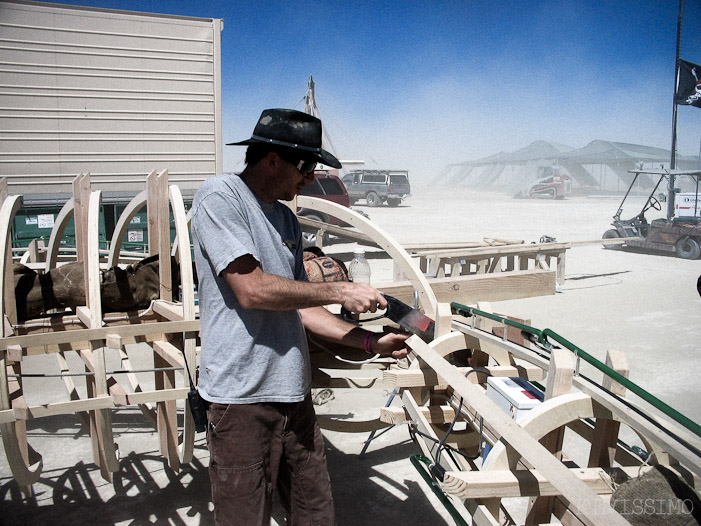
306, 167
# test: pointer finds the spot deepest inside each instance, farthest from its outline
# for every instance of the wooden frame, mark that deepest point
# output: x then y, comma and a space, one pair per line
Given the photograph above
170, 336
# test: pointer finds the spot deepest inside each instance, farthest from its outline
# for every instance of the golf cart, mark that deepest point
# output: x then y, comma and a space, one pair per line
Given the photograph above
679, 233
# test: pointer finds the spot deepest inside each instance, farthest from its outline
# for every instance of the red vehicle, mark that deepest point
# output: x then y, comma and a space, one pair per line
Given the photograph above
325, 186
553, 184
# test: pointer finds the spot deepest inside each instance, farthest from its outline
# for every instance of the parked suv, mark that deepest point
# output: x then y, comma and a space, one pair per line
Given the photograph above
378, 186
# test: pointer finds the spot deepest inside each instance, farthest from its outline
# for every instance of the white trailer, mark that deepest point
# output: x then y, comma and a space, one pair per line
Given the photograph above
116, 94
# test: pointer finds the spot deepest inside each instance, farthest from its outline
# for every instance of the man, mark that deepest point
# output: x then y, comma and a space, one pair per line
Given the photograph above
255, 304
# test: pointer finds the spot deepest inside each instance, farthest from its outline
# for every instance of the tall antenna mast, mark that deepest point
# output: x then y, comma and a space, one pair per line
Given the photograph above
310, 106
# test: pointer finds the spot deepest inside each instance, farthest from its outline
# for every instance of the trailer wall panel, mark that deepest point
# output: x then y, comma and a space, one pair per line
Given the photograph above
115, 94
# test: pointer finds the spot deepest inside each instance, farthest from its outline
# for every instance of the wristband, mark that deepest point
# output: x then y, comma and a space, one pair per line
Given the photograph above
367, 342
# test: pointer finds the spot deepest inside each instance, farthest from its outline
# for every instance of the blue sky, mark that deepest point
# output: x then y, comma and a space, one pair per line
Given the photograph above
422, 84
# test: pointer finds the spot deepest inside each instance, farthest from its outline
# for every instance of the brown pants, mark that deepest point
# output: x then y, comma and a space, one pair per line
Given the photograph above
252, 448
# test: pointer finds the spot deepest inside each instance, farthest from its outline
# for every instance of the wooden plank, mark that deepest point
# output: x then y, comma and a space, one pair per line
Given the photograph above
82, 335
559, 383
166, 412
604, 242
309, 225
575, 491
152, 211
92, 265
104, 448
164, 269
429, 377
14, 353
444, 319
501, 250
71, 407
70, 387
419, 248
485, 350
340, 378
525, 482
329, 423
604, 441
7, 416
435, 414
79, 217
480, 287
170, 353
133, 382
170, 311
159, 395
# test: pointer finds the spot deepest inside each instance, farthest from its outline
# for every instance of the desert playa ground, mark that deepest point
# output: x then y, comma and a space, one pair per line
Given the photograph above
644, 304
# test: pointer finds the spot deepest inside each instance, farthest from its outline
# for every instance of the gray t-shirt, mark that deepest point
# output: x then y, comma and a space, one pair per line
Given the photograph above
248, 355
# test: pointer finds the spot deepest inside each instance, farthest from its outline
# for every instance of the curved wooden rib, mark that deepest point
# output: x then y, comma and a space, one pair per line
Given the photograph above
62, 219
427, 298
176, 244
122, 226
548, 416
182, 239
14, 434
330, 423
108, 459
449, 343
92, 286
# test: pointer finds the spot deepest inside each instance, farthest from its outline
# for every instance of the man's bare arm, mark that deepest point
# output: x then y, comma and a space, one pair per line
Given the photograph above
320, 322
256, 289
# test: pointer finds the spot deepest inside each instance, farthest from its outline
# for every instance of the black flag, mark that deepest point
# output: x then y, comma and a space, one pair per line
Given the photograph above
689, 89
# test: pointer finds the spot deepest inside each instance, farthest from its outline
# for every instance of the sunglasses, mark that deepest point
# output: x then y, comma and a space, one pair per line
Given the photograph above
306, 167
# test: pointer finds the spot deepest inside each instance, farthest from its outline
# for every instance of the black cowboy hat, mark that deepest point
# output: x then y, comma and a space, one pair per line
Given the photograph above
291, 129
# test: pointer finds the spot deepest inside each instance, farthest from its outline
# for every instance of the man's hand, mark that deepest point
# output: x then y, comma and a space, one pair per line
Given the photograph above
390, 342
360, 297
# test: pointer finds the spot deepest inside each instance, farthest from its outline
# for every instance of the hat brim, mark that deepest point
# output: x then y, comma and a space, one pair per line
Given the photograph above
319, 154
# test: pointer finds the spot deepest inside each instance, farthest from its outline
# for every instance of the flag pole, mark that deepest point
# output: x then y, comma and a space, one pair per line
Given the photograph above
673, 160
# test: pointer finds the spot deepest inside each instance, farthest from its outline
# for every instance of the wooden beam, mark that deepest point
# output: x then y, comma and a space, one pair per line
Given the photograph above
559, 382
501, 250
429, 377
309, 225
57, 338
170, 311
329, 423
604, 441
71, 407
525, 482
470, 289
170, 353
159, 395
435, 414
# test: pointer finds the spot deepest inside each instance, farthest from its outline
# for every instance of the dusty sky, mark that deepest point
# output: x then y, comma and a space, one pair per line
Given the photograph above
419, 85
